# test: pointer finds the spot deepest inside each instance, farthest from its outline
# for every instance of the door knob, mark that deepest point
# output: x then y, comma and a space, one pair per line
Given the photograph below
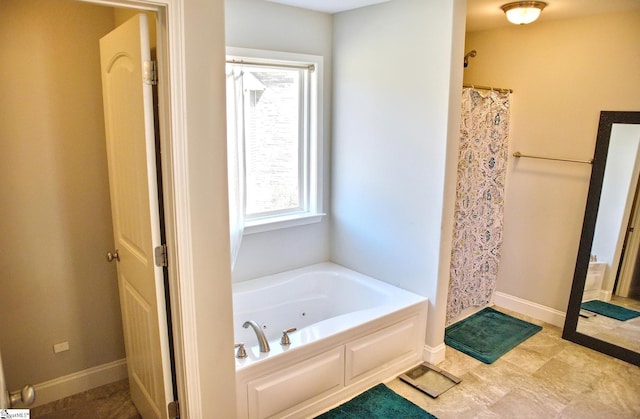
112, 256
27, 395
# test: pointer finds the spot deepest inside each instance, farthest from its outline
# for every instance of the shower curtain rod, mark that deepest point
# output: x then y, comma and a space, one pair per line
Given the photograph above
495, 89
519, 154
309, 67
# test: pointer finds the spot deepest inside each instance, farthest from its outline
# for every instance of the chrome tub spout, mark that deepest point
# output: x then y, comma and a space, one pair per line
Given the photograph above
262, 339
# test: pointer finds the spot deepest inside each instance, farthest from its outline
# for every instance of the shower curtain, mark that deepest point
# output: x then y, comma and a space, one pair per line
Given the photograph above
477, 235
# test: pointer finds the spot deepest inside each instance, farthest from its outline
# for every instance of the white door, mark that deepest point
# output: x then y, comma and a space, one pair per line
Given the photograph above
631, 250
128, 109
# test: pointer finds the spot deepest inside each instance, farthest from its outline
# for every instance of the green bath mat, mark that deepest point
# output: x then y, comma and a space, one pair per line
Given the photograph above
379, 402
488, 334
610, 310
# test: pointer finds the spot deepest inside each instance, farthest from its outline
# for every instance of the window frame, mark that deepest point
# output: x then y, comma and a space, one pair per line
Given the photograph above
310, 175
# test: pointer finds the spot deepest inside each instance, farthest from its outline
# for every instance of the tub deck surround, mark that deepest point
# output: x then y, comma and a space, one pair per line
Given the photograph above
353, 331
593, 287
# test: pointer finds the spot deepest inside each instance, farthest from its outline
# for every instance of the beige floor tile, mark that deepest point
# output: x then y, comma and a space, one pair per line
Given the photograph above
527, 359
588, 407
616, 393
566, 380
584, 358
457, 363
502, 376
542, 393
548, 342
519, 404
543, 377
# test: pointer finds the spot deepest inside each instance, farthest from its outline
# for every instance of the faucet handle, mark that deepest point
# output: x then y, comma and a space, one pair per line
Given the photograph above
241, 353
285, 336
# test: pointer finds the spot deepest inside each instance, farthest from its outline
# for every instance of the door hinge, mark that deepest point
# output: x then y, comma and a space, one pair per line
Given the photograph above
161, 255
174, 410
150, 72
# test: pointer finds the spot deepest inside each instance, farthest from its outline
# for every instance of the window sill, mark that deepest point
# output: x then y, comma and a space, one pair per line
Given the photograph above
285, 221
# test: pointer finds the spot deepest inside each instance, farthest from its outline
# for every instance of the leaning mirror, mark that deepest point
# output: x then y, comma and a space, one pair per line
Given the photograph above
604, 305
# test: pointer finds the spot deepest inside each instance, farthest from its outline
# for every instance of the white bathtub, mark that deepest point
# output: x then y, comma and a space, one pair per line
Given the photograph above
353, 331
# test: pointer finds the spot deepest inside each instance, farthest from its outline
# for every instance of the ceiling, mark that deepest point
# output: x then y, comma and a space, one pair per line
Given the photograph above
486, 14
329, 6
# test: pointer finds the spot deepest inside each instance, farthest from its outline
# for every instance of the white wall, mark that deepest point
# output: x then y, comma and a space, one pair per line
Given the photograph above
563, 74
392, 78
213, 365
263, 25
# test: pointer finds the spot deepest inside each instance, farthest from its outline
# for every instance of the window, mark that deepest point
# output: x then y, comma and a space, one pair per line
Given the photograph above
279, 121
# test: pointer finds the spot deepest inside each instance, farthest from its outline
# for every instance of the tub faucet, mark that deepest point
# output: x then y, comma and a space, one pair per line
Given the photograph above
262, 339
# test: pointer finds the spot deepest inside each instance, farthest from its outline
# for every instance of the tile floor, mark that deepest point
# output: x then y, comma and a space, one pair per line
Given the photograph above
544, 377
111, 401
621, 333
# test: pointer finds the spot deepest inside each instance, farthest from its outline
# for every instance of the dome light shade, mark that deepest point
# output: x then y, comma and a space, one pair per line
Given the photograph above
523, 12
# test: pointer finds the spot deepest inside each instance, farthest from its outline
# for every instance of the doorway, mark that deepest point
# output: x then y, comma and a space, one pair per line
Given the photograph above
59, 218
627, 281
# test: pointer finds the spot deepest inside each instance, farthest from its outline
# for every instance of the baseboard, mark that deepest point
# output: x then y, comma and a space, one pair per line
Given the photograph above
529, 308
467, 312
591, 295
80, 381
434, 355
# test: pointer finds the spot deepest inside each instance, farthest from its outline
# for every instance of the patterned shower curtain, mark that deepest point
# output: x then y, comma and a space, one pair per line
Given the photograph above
477, 235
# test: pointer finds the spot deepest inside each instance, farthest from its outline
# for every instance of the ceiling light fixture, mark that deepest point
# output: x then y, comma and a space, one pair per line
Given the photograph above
523, 12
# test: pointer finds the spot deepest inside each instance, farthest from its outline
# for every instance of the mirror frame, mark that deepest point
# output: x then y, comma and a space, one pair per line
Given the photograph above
607, 119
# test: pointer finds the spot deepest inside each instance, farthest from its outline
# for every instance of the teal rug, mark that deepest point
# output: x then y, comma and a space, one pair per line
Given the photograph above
610, 310
379, 402
488, 334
